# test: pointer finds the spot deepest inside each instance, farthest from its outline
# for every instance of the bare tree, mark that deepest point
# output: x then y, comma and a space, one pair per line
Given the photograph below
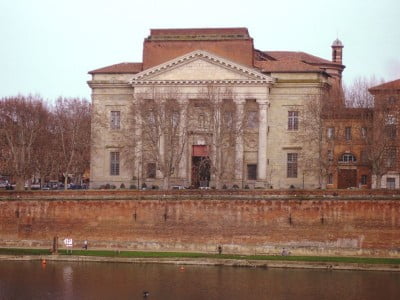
72, 134
45, 155
220, 125
317, 134
159, 114
380, 126
22, 122
381, 147
357, 95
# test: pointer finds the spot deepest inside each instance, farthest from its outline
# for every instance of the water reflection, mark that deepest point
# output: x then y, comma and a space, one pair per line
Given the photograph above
78, 280
67, 273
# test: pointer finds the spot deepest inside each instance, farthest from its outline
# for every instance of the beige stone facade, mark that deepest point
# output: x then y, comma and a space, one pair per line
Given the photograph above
235, 123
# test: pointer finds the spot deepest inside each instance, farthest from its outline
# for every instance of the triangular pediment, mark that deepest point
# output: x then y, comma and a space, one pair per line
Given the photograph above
200, 67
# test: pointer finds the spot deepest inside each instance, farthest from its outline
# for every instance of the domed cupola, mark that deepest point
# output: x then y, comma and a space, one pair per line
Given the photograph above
337, 51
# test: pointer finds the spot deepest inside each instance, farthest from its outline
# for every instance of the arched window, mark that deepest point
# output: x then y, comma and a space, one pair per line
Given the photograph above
347, 158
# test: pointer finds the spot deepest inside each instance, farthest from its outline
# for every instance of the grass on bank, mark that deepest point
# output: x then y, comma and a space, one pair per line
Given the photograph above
139, 254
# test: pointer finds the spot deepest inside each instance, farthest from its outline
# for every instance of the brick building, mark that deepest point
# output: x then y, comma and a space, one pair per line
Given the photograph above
386, 118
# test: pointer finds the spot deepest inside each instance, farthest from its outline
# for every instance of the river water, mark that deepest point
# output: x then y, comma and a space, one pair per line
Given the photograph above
89, 280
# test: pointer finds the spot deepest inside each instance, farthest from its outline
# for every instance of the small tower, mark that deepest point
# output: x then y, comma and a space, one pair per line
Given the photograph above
337, 51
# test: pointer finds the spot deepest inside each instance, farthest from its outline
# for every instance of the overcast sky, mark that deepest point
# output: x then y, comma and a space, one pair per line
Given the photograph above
48, 46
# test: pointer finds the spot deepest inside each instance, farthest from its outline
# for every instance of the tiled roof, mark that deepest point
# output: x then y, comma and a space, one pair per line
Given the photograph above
290, 61
299, 56
391, 85
119, 68
285, 66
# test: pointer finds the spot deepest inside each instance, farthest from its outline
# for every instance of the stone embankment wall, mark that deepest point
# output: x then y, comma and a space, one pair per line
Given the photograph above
248, 222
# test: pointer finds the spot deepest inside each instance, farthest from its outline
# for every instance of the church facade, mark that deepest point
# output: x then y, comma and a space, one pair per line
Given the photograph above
206, 109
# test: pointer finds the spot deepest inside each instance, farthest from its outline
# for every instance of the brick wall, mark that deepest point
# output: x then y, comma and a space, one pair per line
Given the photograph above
158, 52
338, 223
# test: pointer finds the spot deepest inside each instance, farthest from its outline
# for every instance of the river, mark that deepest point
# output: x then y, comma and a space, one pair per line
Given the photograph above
116, 281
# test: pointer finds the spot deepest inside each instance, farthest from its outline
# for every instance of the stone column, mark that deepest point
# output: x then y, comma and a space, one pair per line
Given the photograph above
161, 141
239, 147
262, 139
183, 139
138, 146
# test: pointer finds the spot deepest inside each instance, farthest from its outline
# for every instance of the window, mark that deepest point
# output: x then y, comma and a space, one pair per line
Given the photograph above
114, 163
252, 119
115, 120
330, 155
151, 170
390, 183
330, 133
391, 119
391, 131
347, 133
347, 158
292, 165
364, 179
391, 158
175, 119
252, 172
330, 178
202, 120
228, 119
364, 156
151, 117
392, 100
293, 120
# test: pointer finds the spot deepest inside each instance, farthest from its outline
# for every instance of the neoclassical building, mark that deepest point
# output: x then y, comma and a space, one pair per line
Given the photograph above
206, 109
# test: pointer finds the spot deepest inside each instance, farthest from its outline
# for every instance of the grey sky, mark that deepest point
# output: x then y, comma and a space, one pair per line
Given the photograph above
48, 46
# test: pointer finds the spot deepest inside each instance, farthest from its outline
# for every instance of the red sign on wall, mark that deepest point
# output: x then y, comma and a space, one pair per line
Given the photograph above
200, 150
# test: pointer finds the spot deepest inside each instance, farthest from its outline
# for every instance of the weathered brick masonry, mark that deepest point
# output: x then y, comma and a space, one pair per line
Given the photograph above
351, 223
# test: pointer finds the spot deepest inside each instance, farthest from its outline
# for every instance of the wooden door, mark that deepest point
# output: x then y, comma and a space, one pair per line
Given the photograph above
347, 178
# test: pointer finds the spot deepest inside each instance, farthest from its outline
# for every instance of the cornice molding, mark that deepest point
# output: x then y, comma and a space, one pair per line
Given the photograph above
200, 82
108, 84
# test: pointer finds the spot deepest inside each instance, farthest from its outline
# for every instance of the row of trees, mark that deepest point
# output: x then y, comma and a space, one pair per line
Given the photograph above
159, 126
43, 140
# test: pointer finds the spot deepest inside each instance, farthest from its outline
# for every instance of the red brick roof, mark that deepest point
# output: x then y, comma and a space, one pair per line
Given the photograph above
285, 66
391, 85
297, 56
119, 68
290, 61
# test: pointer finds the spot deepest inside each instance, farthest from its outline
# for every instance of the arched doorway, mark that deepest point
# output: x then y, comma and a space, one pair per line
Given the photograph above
200, 166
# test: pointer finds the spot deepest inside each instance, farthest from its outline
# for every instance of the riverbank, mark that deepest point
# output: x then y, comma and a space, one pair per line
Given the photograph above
183, 259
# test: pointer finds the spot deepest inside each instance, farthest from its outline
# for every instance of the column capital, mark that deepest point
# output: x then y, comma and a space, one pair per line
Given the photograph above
239, 101
183, 101
262, 101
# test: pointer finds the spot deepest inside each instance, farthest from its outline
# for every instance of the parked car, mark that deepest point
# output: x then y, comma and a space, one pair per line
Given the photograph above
46, 187
74, 187
3, 184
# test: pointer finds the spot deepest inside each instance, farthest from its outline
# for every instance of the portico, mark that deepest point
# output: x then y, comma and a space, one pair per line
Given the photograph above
213, 82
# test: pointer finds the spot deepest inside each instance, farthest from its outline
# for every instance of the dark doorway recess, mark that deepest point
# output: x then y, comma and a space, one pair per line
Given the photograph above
200, 166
